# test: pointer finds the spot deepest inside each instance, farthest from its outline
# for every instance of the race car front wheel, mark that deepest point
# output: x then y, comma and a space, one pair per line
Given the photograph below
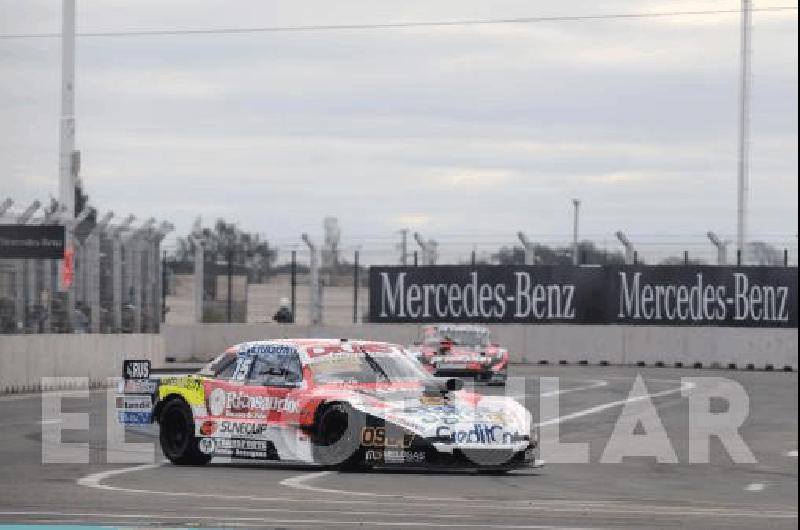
337, 440
178, 441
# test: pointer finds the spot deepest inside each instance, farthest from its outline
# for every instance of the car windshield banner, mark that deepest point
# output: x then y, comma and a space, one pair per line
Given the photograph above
656, 295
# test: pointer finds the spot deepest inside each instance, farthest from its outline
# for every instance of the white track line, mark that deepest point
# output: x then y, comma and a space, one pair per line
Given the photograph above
792, 454
600, 408
595, 383
267, 521
756, 486
534, 505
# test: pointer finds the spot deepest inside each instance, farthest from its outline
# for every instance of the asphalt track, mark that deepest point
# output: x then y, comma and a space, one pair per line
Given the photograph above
636, 493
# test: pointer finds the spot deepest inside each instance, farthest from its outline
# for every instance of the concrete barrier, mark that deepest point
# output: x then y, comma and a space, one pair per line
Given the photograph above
26, 359
594, 344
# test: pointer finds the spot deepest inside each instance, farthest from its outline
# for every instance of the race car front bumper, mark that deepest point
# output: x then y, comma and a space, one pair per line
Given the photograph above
433, 456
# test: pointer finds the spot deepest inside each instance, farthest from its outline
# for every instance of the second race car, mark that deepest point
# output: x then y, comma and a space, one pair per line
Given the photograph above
331, 402
462, 350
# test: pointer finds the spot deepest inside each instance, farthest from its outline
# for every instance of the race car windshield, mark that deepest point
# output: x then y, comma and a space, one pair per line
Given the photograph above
460, 337
370, 367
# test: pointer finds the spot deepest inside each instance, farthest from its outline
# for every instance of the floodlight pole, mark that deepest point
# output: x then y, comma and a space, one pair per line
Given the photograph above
722, 248
744, 131
5, 205
66, 167
530, 256
629, 250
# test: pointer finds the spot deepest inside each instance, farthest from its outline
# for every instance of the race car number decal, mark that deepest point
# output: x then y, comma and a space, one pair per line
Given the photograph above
376, 437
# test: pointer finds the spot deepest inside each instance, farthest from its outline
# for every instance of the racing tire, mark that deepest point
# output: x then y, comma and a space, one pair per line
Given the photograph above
337, 438
176, 434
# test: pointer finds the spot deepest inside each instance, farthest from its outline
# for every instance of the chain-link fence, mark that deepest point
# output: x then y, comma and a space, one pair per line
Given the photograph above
343, 284
110, 281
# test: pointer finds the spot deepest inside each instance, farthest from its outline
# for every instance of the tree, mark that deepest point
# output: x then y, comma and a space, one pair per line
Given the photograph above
561, 256
246, 249
762, 253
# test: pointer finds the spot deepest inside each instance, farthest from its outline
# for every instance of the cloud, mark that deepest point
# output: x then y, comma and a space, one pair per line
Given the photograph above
275, 131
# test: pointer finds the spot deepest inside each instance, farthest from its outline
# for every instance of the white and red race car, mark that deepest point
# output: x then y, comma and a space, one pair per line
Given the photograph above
462, 350
334, 402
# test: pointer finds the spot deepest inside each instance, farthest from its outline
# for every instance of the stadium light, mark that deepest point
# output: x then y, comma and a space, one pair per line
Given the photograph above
6, 204
722, 248
25, 216
530, 256
629, 250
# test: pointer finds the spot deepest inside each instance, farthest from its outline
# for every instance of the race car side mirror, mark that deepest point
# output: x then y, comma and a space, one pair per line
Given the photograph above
453, 384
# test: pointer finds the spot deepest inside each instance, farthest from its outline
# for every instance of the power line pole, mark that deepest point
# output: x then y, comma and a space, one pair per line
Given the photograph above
66, 183
744, 130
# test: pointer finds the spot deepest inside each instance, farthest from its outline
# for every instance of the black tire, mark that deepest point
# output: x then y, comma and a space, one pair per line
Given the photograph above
176, 434
337, 436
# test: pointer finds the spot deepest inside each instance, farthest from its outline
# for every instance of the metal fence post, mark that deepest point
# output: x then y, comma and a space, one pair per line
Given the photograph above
294, 286
20, 302
355, 288
199, 263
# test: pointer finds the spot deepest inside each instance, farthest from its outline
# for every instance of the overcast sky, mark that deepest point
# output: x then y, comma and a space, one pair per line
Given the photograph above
469, 131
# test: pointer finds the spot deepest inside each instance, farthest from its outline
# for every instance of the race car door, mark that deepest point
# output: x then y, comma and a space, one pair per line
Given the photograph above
274, 382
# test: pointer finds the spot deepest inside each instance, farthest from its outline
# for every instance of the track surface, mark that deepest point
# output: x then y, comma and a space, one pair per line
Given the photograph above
637, 493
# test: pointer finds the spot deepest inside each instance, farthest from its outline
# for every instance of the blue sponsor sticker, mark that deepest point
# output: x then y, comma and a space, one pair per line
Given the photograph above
135, 417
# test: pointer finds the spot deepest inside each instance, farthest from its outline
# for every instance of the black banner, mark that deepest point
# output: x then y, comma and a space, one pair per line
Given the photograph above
32, 241
656, 295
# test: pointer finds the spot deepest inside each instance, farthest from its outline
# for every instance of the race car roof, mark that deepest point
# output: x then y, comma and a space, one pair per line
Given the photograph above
316, 347
457, 327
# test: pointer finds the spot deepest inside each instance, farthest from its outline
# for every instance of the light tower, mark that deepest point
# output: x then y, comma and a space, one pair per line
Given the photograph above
743, 188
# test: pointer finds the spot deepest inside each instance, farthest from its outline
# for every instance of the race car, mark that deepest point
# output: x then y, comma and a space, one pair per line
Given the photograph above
338, 403
462, 350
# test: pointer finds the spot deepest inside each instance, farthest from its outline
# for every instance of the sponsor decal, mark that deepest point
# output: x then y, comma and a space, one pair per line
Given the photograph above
241, 444
206, 446
241, 428
136, 369
134, 417
696, 295
394, 456
479, 433
134, 402
242, 402
377, 437
139, 386
207, 428
278, 349
216, 402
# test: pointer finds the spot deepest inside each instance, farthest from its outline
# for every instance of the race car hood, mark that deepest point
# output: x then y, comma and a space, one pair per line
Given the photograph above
456, 419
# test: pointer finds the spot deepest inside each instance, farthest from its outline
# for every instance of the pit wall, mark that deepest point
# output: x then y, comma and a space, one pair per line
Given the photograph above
552, 343
26, 359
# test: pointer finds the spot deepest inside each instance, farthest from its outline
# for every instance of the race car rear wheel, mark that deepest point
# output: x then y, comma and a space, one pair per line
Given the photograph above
337, 440
176, 435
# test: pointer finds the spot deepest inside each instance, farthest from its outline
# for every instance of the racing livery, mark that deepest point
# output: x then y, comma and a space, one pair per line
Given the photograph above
462, 350
331, 402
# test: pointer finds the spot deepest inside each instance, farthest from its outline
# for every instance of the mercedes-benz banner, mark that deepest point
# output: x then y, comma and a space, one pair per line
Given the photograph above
660, 295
